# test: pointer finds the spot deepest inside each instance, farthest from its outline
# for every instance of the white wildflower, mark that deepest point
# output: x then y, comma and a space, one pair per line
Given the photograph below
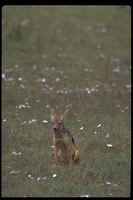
3, 76
43, 80
99, 125
45, 121
57, 79
32, 121
21, 106
15, 153
86, 69
116, 70
109, 145
98, 46
14, 172
23, 122
128, 86
34, 67
84, 195
107, 135
25, 22
104, 30
16, 66
108, 183
20, 78
22, 86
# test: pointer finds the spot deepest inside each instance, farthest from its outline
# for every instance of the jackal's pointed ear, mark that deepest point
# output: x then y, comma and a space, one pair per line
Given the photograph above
52, 113
64, 114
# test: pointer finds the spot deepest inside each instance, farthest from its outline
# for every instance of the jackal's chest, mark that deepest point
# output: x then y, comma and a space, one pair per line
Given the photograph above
61, 141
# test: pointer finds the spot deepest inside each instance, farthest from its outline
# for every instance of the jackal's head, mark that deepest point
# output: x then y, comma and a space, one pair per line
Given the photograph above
57, 120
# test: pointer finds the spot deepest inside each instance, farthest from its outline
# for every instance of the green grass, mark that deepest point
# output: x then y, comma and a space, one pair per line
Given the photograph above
65, 57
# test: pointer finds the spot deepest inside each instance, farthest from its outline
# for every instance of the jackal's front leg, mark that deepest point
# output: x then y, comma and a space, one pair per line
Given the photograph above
55, 156
69, 155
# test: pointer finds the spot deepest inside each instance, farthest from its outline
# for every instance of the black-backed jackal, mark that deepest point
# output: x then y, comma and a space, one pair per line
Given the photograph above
64, 145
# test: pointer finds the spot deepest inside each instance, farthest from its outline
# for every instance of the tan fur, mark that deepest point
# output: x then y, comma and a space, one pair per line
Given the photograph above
63, 140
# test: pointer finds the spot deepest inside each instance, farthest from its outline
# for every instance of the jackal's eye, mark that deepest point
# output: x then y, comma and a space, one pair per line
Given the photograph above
59, 123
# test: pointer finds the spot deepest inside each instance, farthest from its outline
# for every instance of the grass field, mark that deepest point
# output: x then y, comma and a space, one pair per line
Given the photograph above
76, 57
